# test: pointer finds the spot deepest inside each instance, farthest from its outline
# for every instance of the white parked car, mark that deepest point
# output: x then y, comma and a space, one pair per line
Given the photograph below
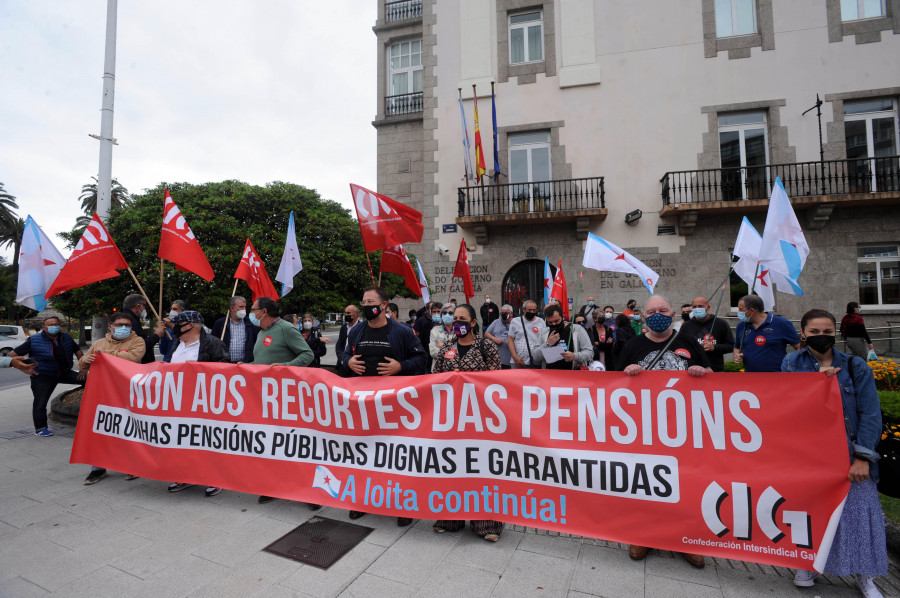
11, 331
7, 344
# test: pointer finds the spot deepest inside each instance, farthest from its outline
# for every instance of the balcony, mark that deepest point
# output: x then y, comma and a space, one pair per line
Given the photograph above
402, 10
818, 186
407, 103
537, 202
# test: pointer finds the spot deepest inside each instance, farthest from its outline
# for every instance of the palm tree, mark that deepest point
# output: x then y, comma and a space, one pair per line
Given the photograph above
8, 216
118, 197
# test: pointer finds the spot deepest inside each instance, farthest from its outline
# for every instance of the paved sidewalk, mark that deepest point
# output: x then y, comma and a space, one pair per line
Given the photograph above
120, 538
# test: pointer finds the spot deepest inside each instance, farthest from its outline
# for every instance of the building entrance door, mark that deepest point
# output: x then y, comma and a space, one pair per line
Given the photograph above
525, 281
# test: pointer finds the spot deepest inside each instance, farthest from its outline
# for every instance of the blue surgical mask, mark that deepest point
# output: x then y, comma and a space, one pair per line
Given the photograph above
742, 316
698, 312
636, 317
591, 303
121, 332
659, 322
52, 329
447, 319
254, 320
436, 318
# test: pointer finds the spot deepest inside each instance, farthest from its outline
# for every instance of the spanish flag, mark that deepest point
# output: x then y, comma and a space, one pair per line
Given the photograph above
479, 152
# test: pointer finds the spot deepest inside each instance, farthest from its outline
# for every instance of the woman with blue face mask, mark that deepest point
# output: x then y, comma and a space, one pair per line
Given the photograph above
442, 332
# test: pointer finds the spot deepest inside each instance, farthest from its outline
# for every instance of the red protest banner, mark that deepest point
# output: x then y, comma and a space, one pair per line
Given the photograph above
721, 465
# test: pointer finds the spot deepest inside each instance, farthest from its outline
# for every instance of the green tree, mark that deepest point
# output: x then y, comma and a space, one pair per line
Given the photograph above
222, 216
119, 197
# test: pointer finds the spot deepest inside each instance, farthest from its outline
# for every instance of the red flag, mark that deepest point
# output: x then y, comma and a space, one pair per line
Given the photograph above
394, 259
559, 290
96, 257
479, 152
178, 244
383, 222
252, 270
462, 271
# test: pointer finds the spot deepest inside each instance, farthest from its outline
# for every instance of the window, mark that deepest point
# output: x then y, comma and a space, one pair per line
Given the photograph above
854, 10
526, 37
870, 131
406, 67
735, 17
744, 154
879, 275
529, 161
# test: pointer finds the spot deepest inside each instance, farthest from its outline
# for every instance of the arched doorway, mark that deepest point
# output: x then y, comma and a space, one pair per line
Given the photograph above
525, 281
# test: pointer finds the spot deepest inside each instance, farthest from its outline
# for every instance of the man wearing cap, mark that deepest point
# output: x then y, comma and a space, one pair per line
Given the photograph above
193, 344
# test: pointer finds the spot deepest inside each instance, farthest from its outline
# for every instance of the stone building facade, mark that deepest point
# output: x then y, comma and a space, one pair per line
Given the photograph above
683, 113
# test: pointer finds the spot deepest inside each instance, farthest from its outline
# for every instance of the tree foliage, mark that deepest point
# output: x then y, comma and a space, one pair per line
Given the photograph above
119, 197
222, 216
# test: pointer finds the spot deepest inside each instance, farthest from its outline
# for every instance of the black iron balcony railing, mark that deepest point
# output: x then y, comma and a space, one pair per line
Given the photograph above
829, 177
406, 103
404, 9
534, 197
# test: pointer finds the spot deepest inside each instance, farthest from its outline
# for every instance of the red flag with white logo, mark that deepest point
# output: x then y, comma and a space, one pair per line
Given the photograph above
559, 291
383, 222
462, 271
96, 257
179, 245
253, 271
395, 260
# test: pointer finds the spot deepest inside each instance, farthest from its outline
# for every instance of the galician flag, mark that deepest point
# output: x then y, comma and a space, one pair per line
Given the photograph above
39, 264
783, 248
467, 151
600, 254
757, 274
290, 260
423, 283
325, 480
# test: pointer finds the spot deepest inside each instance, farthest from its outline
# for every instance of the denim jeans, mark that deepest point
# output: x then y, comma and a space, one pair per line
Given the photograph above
42, 387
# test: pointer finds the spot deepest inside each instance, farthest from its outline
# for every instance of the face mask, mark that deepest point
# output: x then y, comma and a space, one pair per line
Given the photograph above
698, 312
388, 316
742, 316
505, 316
579, 322
370, 312
347, 318
557, 328
307, 325
631, 307
685, 316
608, 315
659, 322
487, 299
241, 314
172, 314
436, 318
254, 320
529, 315
461, 329
52, 329
447, 319
820, 343
143, 314
180, 328
636, 317
591, 303
121, 332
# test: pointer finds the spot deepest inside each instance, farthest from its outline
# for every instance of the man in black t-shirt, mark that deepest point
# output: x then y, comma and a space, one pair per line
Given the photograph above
712, 333
681, 354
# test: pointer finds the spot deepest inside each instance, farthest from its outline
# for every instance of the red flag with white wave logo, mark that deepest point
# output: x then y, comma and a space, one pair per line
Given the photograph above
179, 245
96, 257
383, 222
253, 271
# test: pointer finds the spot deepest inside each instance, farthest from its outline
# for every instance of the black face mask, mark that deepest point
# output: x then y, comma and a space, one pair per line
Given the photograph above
370, 312
347, 318
558, 328
820, 343
529, 315
180, 328
505, 316
685, 316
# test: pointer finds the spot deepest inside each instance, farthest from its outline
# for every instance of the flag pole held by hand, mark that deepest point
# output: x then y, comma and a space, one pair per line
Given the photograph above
228, 312
143, 294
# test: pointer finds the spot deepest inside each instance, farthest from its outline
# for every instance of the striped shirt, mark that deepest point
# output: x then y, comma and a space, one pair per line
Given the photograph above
238, 340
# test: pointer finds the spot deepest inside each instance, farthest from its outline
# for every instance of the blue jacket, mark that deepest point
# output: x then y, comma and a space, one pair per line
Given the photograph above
250, 333
40, 348
404, 343
862, 408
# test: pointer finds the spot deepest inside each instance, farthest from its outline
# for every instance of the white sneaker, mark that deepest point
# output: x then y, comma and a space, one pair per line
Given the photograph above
867, 586
805, 579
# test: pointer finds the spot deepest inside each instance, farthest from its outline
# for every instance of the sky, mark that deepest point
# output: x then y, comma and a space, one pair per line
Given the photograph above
206, 90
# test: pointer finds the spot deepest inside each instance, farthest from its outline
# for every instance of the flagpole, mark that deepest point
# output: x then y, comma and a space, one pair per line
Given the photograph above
466, 173
143, 293
161, 265
577, 294
372, 274
752, 290
380, 265
228, 313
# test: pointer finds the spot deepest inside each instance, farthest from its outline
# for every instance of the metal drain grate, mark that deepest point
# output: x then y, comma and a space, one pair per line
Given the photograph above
319, 542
